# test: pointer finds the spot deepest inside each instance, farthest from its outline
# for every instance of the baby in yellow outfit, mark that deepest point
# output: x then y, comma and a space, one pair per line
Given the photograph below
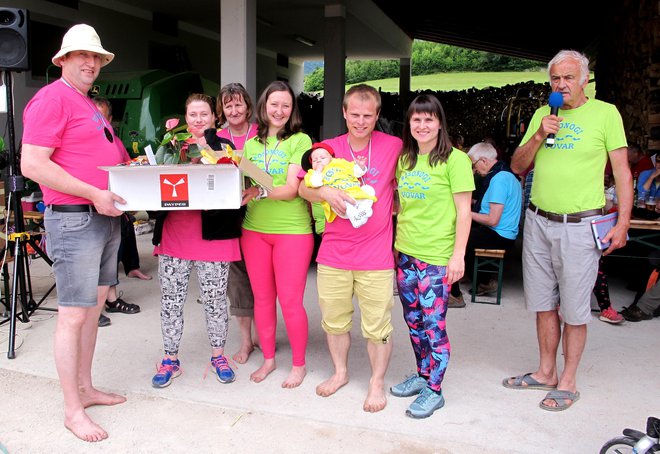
323, 169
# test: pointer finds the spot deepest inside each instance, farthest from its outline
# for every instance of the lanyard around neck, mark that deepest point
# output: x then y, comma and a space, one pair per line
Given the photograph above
350, 148
243, 135
95, 110
267, 158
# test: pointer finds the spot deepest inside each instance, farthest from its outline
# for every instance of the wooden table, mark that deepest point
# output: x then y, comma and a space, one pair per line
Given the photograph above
654, 232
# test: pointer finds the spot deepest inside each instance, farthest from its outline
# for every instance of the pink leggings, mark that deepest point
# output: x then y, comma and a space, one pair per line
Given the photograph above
277, 265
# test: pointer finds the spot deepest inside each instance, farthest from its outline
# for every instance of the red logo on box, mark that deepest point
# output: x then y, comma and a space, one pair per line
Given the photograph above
173, 190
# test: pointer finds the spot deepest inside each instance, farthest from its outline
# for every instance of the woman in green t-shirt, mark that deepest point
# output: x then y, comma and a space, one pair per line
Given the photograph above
435, 186
277, 237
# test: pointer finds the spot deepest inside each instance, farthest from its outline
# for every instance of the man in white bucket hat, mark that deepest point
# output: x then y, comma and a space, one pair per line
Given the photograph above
65, 139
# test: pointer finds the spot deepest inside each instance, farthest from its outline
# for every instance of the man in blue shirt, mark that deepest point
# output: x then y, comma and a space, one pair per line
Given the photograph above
495, 225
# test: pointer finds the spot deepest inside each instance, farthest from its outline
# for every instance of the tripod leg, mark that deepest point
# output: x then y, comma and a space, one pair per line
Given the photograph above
5, 281
11, 353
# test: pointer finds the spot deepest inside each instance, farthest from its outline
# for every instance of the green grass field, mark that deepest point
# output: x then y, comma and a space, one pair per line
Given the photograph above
463, 81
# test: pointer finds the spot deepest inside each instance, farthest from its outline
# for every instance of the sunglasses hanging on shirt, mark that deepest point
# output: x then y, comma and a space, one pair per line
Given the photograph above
108, 134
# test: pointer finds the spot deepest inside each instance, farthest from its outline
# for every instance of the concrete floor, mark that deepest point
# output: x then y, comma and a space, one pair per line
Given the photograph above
618, 382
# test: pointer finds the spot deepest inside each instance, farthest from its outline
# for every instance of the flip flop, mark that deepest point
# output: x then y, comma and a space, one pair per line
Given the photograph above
564, 399
529, 383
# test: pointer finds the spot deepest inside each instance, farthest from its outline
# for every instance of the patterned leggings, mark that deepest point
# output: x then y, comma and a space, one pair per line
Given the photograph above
424, 292
174, 274
601, 288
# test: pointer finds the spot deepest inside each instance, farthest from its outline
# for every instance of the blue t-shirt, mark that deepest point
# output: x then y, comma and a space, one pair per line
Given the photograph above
654, 190
504, 189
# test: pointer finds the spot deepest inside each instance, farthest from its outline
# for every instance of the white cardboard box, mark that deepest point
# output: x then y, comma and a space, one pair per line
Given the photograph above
176, 187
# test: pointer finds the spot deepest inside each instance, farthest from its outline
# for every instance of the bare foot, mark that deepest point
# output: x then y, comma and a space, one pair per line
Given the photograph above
376, 399
242, 355
139, 274
266, 368
84, 428
331, 385
295, 378
96, 397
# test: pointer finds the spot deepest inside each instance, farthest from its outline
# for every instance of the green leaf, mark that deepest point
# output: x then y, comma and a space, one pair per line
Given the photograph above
181, 136
166, 138
171, 159
194, 151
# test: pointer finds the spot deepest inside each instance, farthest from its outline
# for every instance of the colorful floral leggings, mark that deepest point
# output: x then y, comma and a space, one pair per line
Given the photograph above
174, 274
423, 291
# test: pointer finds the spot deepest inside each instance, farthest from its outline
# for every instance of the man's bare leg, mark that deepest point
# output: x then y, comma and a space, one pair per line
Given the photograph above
88, 394
548, 333
379, 357
68, 353
338, 345
575, 338
247, 346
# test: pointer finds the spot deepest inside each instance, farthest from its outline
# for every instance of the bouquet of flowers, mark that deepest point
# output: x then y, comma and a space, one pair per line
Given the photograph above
178, 145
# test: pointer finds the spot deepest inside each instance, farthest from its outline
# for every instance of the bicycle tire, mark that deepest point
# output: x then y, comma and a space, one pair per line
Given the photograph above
624, 445
619, 445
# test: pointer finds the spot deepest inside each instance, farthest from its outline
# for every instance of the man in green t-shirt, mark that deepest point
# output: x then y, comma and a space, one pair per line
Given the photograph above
560, 259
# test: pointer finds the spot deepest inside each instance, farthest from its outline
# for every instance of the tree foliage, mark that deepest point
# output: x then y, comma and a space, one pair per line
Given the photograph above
427, 58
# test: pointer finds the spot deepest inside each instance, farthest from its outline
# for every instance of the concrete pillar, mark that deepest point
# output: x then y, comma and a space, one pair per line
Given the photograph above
334, 56
405, 72
238, 44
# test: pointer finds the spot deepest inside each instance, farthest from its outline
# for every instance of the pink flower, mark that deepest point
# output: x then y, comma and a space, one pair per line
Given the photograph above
171, 123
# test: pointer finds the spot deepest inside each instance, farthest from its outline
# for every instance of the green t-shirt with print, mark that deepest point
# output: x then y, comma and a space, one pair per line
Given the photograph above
277, 216
568, 177
426, 224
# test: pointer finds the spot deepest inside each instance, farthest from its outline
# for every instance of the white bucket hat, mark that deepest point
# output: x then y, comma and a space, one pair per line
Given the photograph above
82, 37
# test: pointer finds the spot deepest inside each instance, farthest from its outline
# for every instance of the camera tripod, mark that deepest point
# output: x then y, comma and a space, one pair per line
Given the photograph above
21, 290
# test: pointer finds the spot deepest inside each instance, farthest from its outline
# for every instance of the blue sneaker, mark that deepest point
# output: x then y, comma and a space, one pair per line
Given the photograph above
411, 386
426, 403
167, 370
222, 369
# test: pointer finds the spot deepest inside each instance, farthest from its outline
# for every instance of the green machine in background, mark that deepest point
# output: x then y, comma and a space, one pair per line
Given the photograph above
143, 101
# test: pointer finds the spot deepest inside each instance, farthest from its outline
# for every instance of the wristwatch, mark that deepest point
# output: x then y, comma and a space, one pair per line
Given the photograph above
262, 193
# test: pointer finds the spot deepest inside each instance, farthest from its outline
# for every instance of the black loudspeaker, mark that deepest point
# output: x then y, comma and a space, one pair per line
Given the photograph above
14, 49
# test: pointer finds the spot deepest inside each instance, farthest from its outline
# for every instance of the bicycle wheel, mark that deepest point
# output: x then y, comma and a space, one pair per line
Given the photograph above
619, 445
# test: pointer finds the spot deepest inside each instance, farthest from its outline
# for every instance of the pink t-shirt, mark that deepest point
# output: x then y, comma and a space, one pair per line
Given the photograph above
239, 141
182, 238
61, 118
370, 246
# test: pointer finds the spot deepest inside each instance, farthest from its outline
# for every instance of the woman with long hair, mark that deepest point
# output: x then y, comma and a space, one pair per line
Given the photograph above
277, 237
435, 186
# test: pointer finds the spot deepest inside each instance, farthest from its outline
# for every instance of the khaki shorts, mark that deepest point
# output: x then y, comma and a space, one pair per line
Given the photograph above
560, 261
239, 291
373, 290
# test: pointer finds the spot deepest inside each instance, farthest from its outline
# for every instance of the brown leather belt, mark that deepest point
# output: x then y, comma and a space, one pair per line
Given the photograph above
572, 217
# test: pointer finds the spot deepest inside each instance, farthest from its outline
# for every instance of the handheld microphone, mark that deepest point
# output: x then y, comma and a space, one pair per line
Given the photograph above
555, 102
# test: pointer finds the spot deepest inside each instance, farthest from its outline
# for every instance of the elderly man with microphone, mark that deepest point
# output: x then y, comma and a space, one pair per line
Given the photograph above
569, 147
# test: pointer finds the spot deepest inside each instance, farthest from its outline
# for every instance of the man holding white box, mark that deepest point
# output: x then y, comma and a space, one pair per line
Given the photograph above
65, 140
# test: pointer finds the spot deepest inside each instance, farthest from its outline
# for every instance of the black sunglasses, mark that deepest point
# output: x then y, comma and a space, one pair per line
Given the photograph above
108, 134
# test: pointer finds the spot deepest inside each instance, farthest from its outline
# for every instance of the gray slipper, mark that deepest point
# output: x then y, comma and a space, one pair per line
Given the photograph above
564, 399
529, 383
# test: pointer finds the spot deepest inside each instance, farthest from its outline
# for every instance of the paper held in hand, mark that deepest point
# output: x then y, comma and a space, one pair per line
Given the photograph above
258, 175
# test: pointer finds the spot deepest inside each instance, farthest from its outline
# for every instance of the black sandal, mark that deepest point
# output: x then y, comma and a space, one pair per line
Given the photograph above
119, 305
